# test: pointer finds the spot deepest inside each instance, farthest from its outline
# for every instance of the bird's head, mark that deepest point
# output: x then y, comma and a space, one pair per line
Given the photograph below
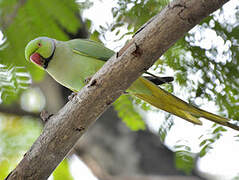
40, 51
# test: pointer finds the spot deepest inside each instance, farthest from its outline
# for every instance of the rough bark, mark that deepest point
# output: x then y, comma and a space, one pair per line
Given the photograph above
63, 129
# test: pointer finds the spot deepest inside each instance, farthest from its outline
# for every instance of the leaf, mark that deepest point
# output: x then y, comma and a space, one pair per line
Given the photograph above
184, 159
95, 36
5, 168
16, 136
62, 172
126, 111
219, 129
203, 142
165, 128
212, 136
12, 81
204, 150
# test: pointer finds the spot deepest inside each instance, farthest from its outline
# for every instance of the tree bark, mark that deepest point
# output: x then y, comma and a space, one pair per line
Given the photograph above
63, 129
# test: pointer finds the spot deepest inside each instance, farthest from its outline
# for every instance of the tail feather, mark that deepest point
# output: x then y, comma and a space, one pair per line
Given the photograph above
170, 103
172, 109
213, 117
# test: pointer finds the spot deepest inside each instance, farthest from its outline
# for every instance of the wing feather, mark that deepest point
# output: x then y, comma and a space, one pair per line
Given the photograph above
91, 48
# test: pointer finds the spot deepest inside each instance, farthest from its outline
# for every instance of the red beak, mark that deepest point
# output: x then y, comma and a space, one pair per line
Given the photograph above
36, 58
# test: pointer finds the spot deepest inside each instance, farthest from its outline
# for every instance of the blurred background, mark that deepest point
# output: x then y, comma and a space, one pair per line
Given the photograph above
132, 140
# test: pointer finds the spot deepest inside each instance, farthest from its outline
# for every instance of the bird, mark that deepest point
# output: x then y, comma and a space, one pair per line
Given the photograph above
72, 62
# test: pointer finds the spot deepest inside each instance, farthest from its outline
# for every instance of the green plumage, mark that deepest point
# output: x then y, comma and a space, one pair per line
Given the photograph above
76, 60
67, 56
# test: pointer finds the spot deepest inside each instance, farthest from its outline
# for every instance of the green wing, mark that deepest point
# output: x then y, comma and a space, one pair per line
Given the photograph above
90, 48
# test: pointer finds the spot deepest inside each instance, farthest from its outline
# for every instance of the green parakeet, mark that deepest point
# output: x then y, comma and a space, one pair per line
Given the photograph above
71, 62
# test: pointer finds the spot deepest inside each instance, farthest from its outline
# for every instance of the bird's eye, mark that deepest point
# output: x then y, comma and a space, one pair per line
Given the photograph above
39, 44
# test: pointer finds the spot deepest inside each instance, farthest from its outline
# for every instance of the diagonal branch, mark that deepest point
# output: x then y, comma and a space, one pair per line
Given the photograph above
64, 128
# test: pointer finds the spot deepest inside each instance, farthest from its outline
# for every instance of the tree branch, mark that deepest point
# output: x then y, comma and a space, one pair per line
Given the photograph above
64, 128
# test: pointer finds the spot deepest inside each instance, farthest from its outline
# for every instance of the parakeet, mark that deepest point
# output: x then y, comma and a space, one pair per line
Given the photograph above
72, 62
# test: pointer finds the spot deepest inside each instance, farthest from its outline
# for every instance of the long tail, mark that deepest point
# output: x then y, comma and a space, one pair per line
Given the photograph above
170, 103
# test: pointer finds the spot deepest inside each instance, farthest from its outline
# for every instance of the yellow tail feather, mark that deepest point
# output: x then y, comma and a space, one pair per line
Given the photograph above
170, 103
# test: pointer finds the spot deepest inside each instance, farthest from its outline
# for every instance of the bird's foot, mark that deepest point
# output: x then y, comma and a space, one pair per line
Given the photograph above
87, 79
73, 94
45, 116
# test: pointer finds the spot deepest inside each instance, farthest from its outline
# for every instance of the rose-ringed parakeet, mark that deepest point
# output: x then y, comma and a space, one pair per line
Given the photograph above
71, 62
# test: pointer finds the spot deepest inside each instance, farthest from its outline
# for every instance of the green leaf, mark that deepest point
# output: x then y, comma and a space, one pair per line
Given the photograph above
128, 114
203, 142
95, 36
165, 128
13, 80
218, 129
213, 135
204, 150
62, 172
184, 159
16, 136
5, 168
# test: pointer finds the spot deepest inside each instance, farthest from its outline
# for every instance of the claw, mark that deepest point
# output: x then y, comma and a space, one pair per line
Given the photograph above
73, 94
87, 79
45, 116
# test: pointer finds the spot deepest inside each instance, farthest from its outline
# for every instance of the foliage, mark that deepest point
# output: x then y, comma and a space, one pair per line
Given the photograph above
127, 10
214, 134
165, 127
128, 114
184, 158
62, 172
236, 177
16, 136
218, 68
13, 80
